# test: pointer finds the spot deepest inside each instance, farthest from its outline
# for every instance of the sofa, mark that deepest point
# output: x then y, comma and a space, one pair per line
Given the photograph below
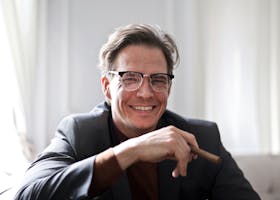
263, 172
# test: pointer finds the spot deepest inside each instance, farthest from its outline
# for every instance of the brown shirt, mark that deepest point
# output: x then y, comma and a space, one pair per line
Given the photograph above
142, 177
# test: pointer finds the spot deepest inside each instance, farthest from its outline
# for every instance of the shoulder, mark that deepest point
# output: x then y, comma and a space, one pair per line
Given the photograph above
175, 119
87, 121
99, 112
84, 131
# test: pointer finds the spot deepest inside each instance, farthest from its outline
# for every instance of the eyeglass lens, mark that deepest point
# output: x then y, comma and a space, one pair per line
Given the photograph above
133, 80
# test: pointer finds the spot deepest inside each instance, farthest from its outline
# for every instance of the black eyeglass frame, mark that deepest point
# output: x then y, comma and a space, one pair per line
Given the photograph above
121, 73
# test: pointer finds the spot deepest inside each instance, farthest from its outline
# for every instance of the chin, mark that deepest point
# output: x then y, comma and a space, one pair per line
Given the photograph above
144, 128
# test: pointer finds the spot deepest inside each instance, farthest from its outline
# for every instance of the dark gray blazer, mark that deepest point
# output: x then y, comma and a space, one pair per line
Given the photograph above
65, 168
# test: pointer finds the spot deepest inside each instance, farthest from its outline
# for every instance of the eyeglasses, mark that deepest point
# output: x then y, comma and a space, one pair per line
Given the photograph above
132, 81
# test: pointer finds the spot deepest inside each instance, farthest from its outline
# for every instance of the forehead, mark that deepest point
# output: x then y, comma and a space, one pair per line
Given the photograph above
141, 58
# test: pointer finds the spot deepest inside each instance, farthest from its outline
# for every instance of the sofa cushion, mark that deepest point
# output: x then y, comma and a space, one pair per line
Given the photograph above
263, 173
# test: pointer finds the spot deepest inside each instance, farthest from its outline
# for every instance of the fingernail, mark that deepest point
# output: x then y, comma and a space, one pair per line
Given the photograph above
174, 174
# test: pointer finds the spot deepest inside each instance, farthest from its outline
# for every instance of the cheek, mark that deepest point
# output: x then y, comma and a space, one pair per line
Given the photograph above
118, 94
163, 97
115, 88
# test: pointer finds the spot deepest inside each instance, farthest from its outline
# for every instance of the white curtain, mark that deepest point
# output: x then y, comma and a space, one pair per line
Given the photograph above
230, 70
10, 151
19, 22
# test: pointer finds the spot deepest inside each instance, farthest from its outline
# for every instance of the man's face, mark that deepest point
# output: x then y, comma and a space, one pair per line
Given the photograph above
136, 112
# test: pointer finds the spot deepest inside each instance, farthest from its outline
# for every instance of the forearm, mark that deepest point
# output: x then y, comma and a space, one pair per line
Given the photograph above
57, 179
106, 172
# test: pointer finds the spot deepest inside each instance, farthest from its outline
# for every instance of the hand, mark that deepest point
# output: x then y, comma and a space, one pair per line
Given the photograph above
165, 143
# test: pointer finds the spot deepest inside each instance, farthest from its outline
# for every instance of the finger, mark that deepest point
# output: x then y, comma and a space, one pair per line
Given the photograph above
189, 137
194, 156
181, 166
183, 156
175, 173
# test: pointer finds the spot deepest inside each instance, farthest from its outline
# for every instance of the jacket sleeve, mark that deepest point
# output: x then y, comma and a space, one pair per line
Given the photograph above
230, 182
206, 180
58, 173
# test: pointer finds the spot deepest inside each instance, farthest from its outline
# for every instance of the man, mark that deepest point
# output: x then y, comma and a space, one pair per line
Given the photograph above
131, 147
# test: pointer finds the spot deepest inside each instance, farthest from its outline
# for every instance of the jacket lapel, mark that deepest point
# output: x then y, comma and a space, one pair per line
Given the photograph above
169, 187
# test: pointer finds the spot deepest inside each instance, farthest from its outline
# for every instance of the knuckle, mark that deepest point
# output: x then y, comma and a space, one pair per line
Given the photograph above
183, 161
172, 142
171, 128
192, 137
185, 157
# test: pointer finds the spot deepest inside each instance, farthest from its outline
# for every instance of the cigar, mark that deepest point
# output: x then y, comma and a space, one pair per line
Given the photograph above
205, 154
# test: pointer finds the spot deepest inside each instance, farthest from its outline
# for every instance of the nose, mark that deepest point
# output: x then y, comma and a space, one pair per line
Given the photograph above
145, 90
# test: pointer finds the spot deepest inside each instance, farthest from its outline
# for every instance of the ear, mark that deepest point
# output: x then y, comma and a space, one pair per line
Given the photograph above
106, 88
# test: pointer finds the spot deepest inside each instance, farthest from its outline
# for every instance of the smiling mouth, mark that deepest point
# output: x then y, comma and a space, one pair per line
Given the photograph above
143, 108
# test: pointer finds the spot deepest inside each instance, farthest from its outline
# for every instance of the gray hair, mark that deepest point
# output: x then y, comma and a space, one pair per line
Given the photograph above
138, 34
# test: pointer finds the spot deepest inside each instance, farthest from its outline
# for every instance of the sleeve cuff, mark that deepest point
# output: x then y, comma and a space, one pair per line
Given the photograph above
105, 163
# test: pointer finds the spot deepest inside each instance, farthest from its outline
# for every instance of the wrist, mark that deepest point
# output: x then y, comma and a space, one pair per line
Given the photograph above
125, 154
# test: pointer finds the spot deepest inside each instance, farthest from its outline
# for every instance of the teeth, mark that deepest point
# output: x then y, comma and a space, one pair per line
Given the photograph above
143, 108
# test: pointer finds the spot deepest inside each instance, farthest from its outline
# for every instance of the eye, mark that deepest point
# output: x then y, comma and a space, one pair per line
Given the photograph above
131, 77
159, 79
